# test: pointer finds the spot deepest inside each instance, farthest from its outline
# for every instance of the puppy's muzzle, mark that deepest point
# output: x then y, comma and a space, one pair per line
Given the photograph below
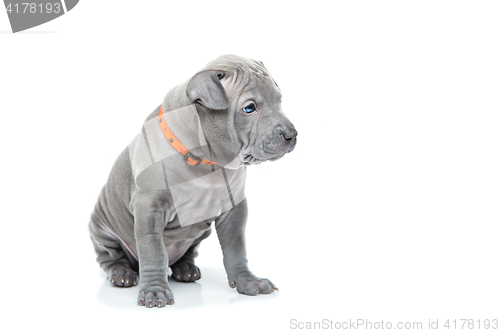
282, 140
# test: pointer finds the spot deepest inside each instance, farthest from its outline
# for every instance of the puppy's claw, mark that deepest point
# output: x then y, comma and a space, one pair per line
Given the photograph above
141, 302
171, 301
119, 273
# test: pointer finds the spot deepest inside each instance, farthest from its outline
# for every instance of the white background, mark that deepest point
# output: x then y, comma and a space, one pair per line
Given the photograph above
388, 209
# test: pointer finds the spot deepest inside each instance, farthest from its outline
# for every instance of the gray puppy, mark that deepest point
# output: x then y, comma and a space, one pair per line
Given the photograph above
185, 170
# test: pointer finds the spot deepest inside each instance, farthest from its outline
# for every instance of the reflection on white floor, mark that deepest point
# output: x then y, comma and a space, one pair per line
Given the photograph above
211, 290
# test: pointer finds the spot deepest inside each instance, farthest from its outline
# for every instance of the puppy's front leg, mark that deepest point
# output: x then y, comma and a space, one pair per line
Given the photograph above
153, 258
231, 232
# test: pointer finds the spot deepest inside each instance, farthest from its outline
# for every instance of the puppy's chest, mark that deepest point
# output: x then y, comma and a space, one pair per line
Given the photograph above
204, 192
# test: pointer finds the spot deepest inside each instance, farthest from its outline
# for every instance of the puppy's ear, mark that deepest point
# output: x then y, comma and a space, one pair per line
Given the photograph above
206, 89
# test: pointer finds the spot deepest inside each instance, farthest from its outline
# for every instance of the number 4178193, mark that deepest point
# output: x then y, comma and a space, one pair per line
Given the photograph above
33, 8
471, 324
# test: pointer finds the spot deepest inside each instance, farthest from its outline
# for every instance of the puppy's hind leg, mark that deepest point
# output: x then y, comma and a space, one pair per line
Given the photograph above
184, 270
119, 265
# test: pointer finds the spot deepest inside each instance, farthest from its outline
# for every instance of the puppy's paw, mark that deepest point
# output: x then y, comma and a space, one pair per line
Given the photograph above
249, 284
152, 298
185, 272
121, 275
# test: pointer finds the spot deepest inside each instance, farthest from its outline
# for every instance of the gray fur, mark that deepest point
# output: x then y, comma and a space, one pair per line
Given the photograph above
137, 231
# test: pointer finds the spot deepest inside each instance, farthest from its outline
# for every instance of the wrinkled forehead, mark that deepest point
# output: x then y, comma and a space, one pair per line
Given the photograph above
260, 87
248, 76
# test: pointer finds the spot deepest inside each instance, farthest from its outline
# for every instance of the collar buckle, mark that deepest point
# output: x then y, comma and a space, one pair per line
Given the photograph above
192, 160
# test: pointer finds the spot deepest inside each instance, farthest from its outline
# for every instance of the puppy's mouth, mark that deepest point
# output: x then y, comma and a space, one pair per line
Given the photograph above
250, 159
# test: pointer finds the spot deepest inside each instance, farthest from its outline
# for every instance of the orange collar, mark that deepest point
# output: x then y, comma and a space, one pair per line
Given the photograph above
190, 159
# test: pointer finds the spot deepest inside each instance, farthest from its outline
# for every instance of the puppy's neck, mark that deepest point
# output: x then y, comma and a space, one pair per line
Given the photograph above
204, 133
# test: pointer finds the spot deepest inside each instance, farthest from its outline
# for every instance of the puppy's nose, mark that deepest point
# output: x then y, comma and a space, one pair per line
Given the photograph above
289, 134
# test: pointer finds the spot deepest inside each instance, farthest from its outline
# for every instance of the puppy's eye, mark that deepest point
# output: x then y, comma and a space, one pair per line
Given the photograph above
249, 108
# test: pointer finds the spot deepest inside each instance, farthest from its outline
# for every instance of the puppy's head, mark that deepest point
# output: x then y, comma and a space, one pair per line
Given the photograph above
239, 106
